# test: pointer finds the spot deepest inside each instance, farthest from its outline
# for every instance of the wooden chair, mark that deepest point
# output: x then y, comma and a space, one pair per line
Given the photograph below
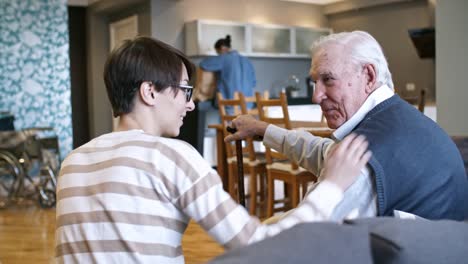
422, 100
278, 166
253, 99
253, 162
419, 100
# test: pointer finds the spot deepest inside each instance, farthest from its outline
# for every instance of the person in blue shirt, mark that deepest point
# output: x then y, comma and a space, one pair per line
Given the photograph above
234, 71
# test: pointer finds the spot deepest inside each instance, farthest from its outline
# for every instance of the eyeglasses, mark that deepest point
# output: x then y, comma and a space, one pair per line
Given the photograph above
188, 90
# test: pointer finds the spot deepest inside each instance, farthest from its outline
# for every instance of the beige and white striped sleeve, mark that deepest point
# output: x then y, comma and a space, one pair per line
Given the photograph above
206, 202
209, 205
316, 206
231, 225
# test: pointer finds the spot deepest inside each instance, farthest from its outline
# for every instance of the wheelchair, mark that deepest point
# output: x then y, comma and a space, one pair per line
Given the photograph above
29, 163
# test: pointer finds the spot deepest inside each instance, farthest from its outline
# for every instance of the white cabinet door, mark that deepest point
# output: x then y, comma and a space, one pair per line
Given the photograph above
304, 37
253, 40
201, 35
271, 39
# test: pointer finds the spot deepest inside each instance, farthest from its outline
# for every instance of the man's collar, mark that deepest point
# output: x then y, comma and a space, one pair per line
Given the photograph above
379, 95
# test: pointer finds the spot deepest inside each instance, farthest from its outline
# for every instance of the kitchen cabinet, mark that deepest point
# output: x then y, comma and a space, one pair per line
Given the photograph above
304, 37
271, 40
252, 40
201, 35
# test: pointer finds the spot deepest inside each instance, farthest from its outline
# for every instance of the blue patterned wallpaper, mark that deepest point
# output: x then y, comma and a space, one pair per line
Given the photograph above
35, 66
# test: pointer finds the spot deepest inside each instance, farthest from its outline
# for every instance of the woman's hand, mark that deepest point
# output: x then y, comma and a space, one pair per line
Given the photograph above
345, 161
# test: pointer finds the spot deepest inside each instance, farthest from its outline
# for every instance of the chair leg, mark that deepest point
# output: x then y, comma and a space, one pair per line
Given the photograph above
294, 194
253, 190
288, 192
304, 189
271, 194
262, 177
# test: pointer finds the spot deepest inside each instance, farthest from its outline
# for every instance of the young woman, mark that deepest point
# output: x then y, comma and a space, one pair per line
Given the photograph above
128, 196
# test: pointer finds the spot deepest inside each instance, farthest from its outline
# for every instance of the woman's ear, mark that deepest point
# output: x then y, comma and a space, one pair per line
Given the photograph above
147, 93
371, 78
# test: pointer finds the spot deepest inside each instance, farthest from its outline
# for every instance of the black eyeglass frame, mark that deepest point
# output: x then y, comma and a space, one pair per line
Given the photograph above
188, 89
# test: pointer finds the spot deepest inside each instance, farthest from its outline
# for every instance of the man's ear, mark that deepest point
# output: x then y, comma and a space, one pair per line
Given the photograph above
147, 93
371, 77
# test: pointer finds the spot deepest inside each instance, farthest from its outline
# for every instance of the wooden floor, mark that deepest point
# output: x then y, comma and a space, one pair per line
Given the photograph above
27, 236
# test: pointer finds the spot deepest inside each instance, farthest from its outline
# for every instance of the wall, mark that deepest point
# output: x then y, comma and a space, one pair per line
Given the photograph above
272, 73
389, 24
452, 65
144, 16
100, 111
78, 76
169, 16
100, 14
165, 21
34, 66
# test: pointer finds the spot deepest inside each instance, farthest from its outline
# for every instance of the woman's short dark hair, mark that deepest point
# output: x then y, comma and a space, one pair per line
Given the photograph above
139, 60
226, 42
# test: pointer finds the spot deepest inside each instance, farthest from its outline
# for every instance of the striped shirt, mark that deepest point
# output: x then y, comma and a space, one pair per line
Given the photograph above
127, 197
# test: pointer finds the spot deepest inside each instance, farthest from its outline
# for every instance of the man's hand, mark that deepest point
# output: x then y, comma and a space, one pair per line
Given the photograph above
345, 161
247, 126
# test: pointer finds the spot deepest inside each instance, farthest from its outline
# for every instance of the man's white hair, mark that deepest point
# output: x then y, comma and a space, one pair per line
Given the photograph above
362, 49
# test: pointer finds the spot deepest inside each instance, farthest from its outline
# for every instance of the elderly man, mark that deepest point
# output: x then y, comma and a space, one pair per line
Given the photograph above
415, 167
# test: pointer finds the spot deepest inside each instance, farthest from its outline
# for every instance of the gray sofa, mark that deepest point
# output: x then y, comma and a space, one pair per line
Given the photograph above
373, 240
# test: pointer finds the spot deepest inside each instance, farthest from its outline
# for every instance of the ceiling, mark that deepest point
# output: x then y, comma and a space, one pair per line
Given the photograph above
317, 2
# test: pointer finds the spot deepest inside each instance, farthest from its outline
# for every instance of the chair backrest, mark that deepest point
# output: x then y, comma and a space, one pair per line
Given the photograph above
263, 104
419, 100
283, 121
228, 110
253, 99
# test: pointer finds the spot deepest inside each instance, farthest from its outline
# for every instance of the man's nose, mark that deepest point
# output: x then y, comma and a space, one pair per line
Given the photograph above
319, 93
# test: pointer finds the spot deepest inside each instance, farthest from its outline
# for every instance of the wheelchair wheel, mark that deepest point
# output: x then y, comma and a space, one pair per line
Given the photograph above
47, 198
10, 172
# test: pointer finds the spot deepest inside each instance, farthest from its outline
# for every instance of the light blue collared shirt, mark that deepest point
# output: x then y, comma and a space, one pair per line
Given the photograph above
379, 95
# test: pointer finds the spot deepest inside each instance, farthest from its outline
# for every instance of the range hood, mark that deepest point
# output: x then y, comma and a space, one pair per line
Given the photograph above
424, 41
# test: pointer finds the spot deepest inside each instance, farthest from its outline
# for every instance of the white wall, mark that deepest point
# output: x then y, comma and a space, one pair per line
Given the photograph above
169, 16
389, 25
99, 15
452, 66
